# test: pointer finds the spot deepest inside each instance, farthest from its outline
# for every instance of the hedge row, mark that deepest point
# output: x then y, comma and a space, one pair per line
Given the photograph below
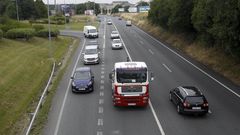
26, 33
45, 33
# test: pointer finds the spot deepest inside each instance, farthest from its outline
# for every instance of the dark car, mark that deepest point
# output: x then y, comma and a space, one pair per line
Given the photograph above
82, 80
189, 99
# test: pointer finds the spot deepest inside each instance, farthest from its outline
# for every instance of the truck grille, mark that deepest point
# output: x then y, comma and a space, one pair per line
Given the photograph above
132, 89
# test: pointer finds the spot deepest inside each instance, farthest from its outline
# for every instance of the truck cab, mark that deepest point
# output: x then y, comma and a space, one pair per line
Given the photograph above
130, 84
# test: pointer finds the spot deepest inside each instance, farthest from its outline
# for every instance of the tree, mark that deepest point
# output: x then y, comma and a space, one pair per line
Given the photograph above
3, 6
115, 9
26, 9
142, 3
41, 9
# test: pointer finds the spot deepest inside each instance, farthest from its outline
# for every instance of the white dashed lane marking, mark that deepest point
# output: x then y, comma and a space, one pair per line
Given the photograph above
102, 72
101, 93
102, 81
102, 76
151, 51
101, 101
99, 133
100, 109
169, 70
101, 87
100, 122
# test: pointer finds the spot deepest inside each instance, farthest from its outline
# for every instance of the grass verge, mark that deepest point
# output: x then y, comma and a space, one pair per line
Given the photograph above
24, 69
214, 58
43, 112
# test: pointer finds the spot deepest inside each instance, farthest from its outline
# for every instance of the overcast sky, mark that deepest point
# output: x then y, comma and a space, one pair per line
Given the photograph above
83, 1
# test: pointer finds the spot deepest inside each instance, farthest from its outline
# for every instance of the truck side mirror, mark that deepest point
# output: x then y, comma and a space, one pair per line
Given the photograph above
152, 77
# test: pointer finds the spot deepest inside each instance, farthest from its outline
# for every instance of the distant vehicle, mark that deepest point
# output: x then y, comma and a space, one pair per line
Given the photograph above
82, 80
117, 44
109, 22
130, 84
189, 99
128, 23
93, 42
119, 18
90, 32
114, 34
91, 55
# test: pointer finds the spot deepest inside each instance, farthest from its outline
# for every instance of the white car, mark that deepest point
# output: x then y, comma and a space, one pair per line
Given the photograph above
114, 34
109, 22
117, 44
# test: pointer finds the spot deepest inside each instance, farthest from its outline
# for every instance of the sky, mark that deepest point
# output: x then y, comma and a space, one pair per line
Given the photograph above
83, 1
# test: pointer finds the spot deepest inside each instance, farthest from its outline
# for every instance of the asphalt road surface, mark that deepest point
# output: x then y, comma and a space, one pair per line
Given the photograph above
94, 113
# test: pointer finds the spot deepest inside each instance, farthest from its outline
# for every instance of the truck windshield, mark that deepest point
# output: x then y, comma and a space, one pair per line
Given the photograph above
91, 51
131, 76
92, 31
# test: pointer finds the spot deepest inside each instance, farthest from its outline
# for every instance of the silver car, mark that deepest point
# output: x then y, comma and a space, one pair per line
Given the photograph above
114, 34
117, 44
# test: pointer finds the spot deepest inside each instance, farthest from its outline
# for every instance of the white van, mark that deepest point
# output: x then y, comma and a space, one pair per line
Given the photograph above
91, 54
128, 23
90, 32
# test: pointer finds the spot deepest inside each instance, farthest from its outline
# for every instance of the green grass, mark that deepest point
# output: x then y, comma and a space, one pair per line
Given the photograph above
24, 70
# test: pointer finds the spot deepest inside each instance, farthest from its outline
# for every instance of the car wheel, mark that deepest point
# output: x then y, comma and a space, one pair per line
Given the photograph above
179, 109
170, 97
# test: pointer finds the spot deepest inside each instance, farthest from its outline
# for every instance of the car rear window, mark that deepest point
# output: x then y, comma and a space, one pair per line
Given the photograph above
194, 99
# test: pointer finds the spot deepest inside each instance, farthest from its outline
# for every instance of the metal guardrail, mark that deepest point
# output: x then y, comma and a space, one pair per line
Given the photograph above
41, 100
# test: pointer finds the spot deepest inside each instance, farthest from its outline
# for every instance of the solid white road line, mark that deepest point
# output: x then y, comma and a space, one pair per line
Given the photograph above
223, 85
151, 51
167, 67
66, 92
152, 109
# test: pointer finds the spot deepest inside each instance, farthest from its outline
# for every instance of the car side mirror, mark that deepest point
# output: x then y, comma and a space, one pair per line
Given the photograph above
71, 77
92, 77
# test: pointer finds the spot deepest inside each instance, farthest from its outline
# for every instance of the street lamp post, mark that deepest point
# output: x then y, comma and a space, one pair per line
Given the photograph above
49, 32
17, 9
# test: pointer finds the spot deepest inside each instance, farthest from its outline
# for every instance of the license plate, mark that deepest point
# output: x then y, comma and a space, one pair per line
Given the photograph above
196, 108
81, 88
131, 104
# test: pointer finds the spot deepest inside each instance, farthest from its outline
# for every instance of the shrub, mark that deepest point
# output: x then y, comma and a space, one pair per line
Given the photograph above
44, 33
11, 24
26, 33
38, 27
1, 34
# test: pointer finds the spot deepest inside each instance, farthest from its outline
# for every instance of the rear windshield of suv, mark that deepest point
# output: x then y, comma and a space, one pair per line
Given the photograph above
195, 99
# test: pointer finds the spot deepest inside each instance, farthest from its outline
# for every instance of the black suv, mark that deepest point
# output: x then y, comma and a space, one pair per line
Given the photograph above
189, 99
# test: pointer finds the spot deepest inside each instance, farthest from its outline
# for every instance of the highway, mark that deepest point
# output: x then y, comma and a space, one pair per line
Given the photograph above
94, 114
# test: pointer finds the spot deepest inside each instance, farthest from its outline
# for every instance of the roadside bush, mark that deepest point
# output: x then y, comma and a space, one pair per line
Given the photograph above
1, 34
26, 33
11, 24
38, 27
44, 33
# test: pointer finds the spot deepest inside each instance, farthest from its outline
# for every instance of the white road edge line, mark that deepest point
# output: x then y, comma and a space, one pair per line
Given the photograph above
150, 103
151, 51
223, 85
66, 93
169, 70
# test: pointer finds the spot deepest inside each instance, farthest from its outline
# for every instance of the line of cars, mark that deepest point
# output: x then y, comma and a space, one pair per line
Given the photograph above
187, 99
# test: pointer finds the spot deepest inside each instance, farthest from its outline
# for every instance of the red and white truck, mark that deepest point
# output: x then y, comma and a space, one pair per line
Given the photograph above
130, 84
